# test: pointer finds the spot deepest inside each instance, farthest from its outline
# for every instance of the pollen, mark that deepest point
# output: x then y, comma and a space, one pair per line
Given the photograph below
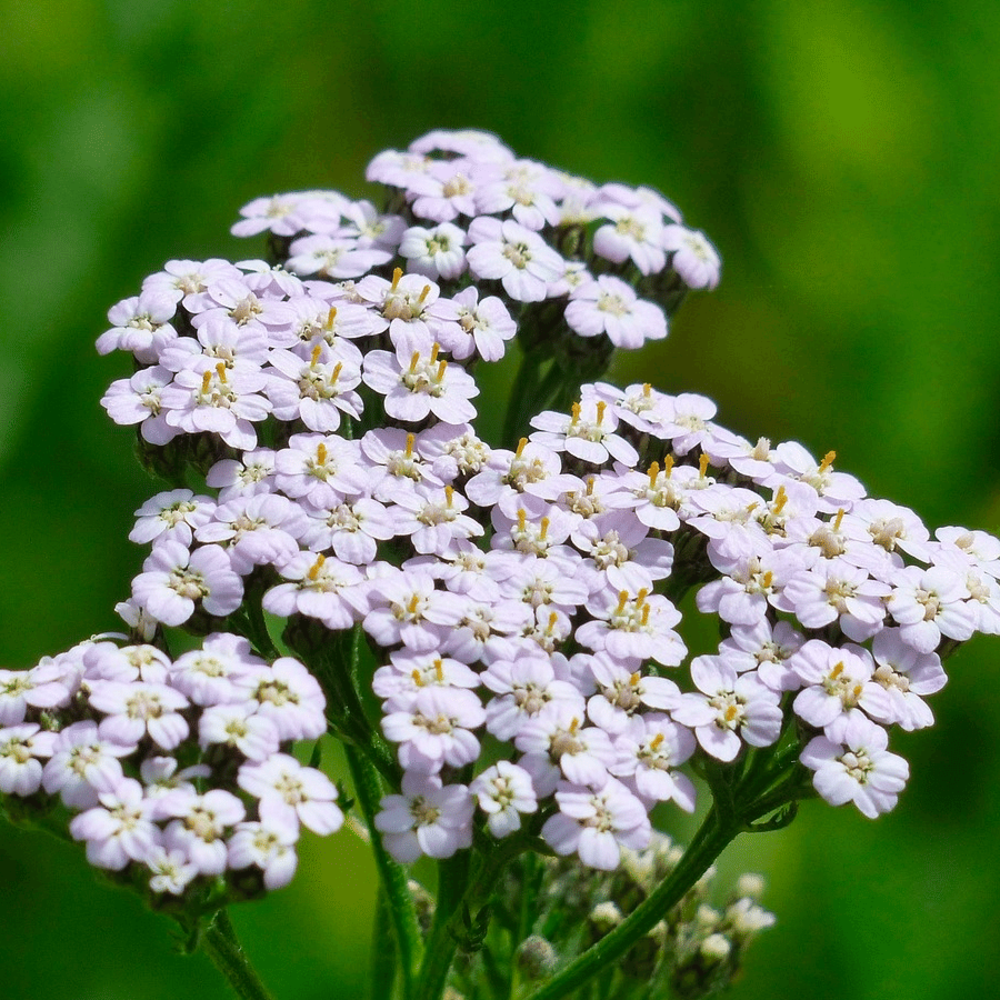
316, 352
410, 439
520, 447
601, 407
314, 570
396, 275
703, 465
654, 743
827, 461
576, 415
840, 517
654, 471
331, 318
321, 454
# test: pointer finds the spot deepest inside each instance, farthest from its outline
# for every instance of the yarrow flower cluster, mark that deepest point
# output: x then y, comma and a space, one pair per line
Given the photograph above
514, 607
175, 770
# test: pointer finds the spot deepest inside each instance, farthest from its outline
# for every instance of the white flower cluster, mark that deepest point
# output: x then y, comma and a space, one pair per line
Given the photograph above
525, 594
175, 769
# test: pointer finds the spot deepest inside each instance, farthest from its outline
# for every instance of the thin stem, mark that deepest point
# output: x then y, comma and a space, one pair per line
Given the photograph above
392, 875
222, 947
709, 842
443, 941
384, 952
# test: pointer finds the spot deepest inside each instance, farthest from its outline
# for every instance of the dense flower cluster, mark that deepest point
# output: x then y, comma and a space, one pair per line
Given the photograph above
526, 593
180, 769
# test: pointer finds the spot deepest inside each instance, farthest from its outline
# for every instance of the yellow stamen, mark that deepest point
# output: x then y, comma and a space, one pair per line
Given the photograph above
545, 529
553, 619
780, 499
417, 679
576, 414
668, 466
441, 368
590, 486
412, 606
331, 317
396, 275
654, 743
317, 351
647, 388
622, 600
434, 351
220, 370
837, 671
641, 596
449, 492
336, 371
423, 295
522, 517
601, 407
520, 447
414, 362
768, 578
321, 454
574, 725
827, 461
439, 670
313, 573
634, 679
205, 379
703, 465
730, 713
410, 439
839, 518
654, 471
646, 608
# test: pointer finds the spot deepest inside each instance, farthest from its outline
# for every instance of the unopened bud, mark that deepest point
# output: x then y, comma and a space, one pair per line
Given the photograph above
536, 958
715, 948
605, 917
750, 884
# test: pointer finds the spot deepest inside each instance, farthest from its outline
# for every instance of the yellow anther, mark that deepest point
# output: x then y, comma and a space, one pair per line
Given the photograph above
321, 454
767, 580
647, 387
590, 486
827, 461
752, 507
435, 348
439, 670
856, 692
641, 596
839, 518
574, 725
601, 407
411, 607
520, 447
654, 743
423, 295
313, 573
576, 414
441, 368
545, 529
730, 713
654, 471
634, 679
396, 275
553, 620
414, 361
668, 466
410, 439
331, 318
449, 493
703, 465
646, 608
780, 499
220, 370
417, 679
522, 517
336, 371
622, 601
837, 671
317, 351
205, 379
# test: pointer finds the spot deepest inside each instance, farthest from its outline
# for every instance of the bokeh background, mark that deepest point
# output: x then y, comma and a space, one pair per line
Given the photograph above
844, 158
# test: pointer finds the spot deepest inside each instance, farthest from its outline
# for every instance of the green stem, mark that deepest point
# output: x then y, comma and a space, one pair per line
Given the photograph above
709, 842
443, 940
222, 947
384, 952
392, 875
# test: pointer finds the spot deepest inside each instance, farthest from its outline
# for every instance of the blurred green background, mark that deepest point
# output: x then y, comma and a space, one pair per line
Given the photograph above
843, 157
